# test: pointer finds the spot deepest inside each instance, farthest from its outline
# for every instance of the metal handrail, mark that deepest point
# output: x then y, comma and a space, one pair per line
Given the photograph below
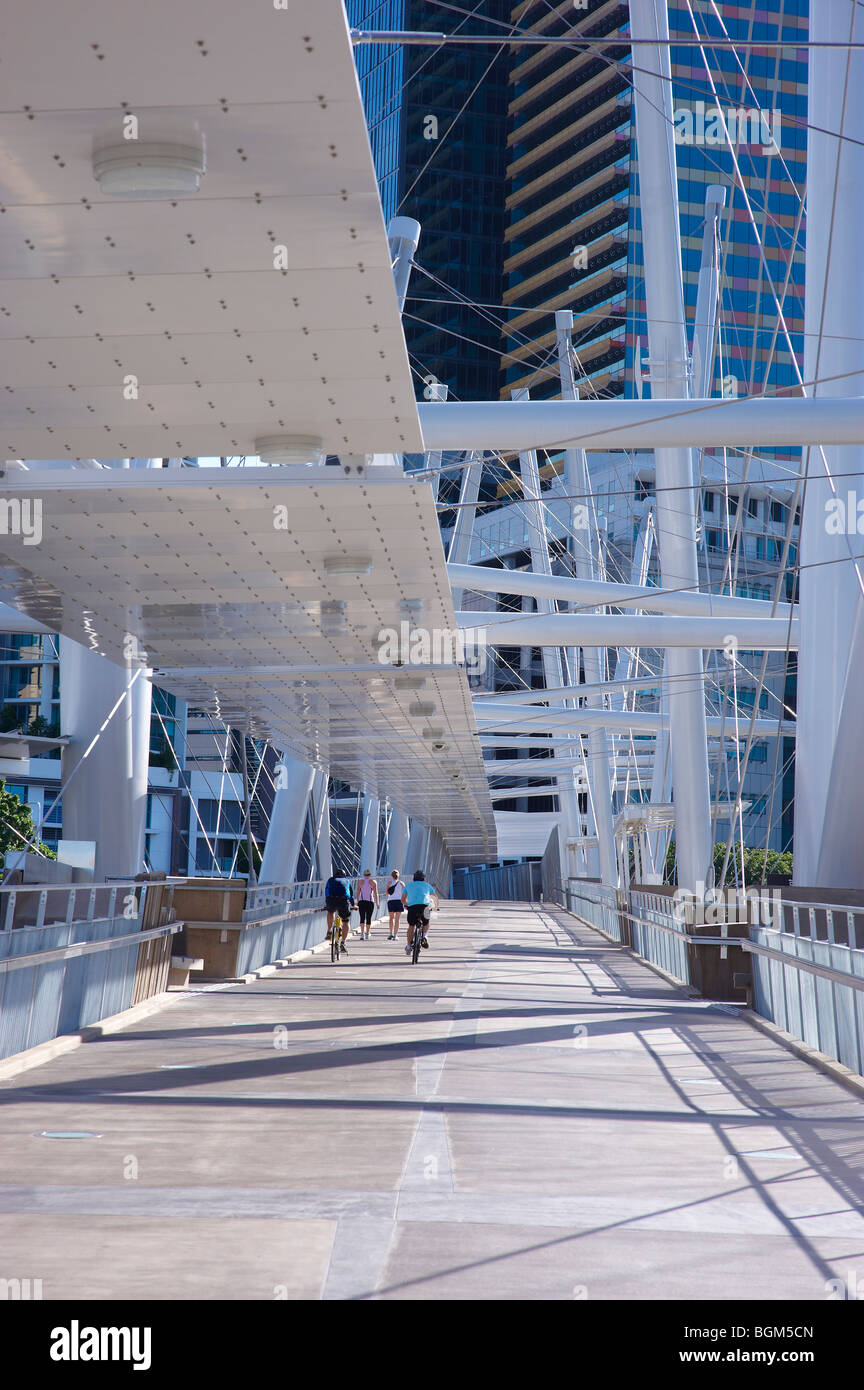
44, 891
838, 977
825, 972
85, 948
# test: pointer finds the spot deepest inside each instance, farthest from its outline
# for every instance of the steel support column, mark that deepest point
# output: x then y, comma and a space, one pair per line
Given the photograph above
829, 771
320, 805
369, 834
418, 844
586, 565
676, 511
397, 840
554, 670
287, 821
106, 798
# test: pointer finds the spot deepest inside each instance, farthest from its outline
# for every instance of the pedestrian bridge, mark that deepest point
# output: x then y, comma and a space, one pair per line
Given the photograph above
531, 1111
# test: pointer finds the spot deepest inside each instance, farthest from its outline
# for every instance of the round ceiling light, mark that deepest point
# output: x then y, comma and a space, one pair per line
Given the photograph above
141, 169
290, 448
433, 734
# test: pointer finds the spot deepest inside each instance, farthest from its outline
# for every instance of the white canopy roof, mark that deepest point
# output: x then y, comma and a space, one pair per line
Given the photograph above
183, 296
224, 577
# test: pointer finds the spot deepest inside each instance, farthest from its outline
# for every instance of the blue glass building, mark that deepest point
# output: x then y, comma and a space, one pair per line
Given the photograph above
437, 125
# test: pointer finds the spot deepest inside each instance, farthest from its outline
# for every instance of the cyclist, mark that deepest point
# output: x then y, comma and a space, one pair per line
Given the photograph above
394, 890
417, 896
338, 899
366, 895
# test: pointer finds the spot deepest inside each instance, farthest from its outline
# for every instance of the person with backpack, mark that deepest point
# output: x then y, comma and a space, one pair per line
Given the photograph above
394, 890
338, 898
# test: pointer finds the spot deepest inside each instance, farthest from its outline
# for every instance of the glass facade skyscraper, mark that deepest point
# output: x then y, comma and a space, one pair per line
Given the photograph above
568, 173
437, 126
537, 209
764, 188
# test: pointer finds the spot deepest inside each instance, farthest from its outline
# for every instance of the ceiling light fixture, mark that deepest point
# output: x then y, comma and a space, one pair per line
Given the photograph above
410, 683
347, 564
422, 708
332, 616
290, 449
149, 169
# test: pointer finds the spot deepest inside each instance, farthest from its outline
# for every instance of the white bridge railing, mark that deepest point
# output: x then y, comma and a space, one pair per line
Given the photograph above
807, 962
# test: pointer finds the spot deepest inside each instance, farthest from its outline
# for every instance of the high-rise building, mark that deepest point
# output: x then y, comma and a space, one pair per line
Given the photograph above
195, 821
437, 123
571, 231
568, 205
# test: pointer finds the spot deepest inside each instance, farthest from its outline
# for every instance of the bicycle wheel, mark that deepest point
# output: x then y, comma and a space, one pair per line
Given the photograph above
335, 939
416, 945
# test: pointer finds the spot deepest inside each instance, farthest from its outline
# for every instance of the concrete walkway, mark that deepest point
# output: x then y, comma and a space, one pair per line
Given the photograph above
528, 1113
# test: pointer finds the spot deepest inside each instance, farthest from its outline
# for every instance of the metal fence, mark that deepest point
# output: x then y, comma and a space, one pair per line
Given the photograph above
595, 904
61, 978
38, 905
281, 896
656, 935
509, 882
808, 978
807, 957
280, 937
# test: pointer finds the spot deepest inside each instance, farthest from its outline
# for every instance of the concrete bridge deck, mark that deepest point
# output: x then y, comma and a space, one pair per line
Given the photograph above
528, 1113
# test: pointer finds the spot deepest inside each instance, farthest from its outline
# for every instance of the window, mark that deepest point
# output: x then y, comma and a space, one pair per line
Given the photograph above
708, 501
230, 820
778, 512
759, 753
753, 506
225, 851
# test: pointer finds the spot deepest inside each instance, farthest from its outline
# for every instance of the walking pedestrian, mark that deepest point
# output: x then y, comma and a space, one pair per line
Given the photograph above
366, 895
393, 891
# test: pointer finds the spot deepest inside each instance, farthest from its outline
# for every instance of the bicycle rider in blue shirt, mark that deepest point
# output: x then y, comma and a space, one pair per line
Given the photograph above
417, 898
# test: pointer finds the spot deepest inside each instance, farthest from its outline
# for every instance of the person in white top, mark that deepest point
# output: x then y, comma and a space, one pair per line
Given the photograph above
366, 894
394, 890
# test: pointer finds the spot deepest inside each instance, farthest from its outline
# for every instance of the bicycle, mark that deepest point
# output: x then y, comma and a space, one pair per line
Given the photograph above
336, 939
419, 933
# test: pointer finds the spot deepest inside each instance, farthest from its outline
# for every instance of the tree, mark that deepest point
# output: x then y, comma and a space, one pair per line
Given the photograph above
755, 861
243, 858
9, 719
162, 754
757, 864
16, 825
